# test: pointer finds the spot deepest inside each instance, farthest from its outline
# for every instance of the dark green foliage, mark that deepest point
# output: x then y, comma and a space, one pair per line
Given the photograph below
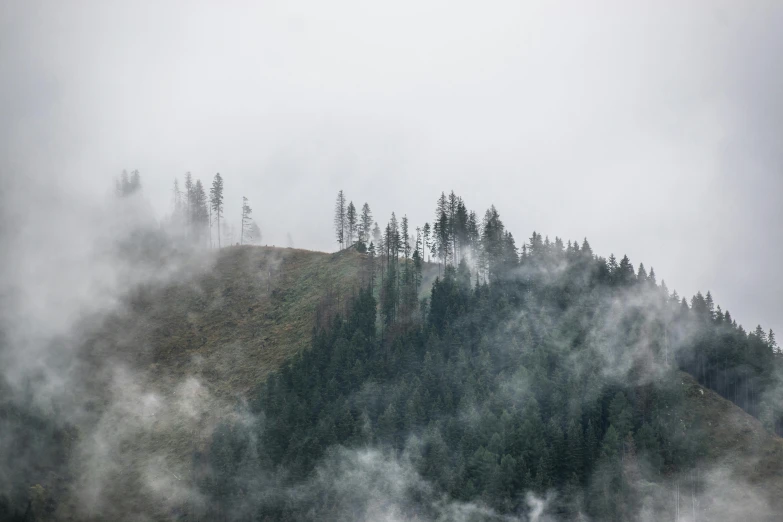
559, 372
34, 453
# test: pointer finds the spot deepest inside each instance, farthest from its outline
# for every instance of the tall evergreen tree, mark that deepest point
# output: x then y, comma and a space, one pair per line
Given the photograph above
188, 199
216, 201
177, 203
339, 219
128, 185
246, 220
426, 240
200, 209
441, 236
365, 225
351, 220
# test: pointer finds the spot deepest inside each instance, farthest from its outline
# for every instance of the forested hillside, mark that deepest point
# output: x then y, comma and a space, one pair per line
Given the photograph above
430, 373
555, 376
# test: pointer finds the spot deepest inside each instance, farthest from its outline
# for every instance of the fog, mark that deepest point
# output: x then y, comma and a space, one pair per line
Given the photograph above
651, 128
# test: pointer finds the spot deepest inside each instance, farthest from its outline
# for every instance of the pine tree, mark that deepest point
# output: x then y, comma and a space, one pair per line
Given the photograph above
451, 248
625, 271
405, 238
351, 220
441, 228
339, 219
641, 276
135, 182
216, 200
760, 334
473, 235
709, 305
426, 239
365, 225
200, 211
586, 250
371, 263
121, 185
460, 228
441, 239
188, 199
253, 234
177, 205
612, 265
245, 224
492, 235
126, 185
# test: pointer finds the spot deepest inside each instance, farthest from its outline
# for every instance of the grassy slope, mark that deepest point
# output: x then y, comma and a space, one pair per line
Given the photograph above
740, 451
235, 316
241, 320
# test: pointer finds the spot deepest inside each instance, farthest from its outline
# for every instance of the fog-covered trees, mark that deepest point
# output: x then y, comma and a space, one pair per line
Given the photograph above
199, 214
245, 224
365, 224
253, 235
216, 201
191, 210
201, 218
128, 185
340, 219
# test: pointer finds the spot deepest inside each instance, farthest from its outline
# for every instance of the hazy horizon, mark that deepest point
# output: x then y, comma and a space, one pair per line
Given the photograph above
664, 147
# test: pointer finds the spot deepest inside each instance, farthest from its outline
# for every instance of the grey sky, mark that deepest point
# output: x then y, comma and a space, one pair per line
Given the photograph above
652, 128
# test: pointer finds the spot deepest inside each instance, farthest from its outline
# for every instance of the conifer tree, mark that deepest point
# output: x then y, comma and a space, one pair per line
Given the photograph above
441, 236
200, 210
135, 182
586, 249
492, 235
121, 185
641, 275
351, 220
339, 219
188, 199
612, 265
365, 225
246, 220
177, 204
128, 185
253, 234
625, 271
405, 238
216, 200
426, 240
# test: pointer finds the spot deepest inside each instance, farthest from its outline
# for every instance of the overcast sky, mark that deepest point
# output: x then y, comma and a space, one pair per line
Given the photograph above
653, 128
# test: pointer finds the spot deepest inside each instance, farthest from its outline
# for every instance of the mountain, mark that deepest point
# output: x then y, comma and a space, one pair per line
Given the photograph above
260, 383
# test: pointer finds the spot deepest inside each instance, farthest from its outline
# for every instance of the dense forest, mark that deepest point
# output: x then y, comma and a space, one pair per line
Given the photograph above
544, 370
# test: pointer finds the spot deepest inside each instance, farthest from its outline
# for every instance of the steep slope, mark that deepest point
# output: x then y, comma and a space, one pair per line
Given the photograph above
179, 355
240, 320
739, 451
